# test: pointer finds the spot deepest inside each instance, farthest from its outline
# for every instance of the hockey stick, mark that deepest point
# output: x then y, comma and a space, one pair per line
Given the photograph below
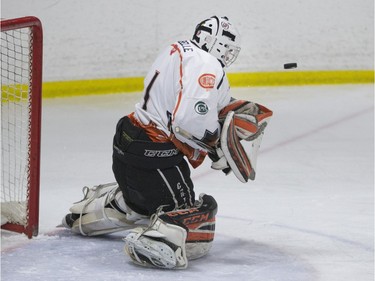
190, 137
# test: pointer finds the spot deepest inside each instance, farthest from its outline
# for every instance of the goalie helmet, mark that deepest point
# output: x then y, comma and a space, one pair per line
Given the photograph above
218, 37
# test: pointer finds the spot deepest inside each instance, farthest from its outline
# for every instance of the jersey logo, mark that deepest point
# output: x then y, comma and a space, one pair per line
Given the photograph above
207, 81
201, 108
161, 153
225, 25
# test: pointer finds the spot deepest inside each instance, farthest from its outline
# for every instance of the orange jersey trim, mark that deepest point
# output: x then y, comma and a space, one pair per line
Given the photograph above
155, 134
175, 46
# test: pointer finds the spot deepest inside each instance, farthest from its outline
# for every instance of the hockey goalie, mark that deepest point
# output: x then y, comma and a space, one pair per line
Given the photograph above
186, 113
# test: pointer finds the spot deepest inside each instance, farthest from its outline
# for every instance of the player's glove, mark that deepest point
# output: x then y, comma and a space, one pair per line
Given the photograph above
242, 120
239, 107
219, 162
250, 119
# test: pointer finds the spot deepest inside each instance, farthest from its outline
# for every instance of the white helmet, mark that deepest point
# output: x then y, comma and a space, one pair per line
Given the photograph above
218, 37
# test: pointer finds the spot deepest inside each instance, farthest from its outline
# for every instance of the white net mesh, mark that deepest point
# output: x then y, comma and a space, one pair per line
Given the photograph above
15, 124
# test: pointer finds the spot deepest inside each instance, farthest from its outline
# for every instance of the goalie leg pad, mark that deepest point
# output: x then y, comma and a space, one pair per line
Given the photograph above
174, 237
101, 211
199, 223
147, 252
160, 245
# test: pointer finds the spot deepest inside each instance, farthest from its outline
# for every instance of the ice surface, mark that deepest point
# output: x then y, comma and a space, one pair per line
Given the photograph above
309, 214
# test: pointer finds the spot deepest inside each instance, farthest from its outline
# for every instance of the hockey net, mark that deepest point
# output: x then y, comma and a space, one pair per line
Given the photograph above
21, 79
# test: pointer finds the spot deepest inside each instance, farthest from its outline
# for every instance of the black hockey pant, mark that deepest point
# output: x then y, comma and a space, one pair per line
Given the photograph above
150, 174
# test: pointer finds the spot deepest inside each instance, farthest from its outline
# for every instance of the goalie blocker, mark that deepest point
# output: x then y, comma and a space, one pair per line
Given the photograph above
242, 120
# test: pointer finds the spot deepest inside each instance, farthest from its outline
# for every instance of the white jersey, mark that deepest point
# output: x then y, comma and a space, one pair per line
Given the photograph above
185, 89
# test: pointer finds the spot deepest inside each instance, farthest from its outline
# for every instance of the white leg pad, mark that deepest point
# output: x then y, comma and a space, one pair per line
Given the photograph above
104, 221
97, 216
161, 245
197, 250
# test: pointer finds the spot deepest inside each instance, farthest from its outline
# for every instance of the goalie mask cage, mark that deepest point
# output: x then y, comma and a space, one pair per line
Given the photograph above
21, 85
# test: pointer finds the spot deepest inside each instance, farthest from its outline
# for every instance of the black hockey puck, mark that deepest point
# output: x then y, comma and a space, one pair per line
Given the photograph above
290, 65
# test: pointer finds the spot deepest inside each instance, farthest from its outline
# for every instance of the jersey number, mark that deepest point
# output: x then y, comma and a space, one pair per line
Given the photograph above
148, 89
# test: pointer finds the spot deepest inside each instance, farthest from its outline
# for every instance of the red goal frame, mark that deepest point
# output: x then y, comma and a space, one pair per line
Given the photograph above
35, 92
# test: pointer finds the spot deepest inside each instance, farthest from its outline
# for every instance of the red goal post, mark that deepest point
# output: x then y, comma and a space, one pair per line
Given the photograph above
21, 95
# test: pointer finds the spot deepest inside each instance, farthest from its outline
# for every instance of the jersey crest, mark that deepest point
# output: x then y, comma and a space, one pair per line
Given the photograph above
207, 81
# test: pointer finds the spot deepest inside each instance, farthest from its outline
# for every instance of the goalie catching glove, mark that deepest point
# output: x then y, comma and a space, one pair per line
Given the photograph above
242, 120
